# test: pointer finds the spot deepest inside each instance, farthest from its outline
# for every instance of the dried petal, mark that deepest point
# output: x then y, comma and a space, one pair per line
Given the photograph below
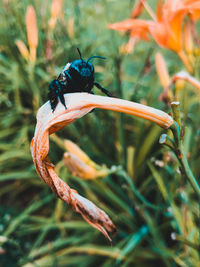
79, 104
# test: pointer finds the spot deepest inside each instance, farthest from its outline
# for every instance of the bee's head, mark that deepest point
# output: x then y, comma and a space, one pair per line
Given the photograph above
87, 64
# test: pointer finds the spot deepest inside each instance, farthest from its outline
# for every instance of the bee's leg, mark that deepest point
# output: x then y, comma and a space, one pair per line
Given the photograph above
62, 99
105, 91
52, 95
61, 95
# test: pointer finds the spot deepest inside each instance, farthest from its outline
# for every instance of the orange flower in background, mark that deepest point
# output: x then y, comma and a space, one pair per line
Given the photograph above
139, 30
137, 9
32, 36
194, 8
22, 49
32, 32
79, 164
79, 104
56, 9
165, 27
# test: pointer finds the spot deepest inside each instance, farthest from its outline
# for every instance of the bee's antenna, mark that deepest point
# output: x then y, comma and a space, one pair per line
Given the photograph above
80, 54
94, 57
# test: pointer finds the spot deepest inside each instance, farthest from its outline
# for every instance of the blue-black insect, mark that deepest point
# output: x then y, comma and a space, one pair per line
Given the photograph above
75, 77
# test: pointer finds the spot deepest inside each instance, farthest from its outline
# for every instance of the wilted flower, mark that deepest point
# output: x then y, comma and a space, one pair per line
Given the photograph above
79, 104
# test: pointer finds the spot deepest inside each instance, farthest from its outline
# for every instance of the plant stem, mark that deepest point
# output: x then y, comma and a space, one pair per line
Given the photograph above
180, 153
125, 175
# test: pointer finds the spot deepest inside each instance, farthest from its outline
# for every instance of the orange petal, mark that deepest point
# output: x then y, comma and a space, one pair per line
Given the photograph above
159, 32
193, 8
138, 28
137, 10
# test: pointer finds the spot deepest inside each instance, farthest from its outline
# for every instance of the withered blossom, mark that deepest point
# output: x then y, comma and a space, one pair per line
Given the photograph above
79, 104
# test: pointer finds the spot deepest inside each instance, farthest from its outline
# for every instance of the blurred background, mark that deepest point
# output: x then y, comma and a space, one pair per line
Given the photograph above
150, 202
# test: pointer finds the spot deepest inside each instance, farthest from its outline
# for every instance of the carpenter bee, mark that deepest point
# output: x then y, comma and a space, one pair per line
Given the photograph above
75, 77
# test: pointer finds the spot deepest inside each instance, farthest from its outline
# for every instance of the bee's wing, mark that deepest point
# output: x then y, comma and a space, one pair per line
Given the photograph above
62, 77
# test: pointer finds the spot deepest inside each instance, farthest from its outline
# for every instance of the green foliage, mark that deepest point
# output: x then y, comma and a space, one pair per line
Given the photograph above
154, 208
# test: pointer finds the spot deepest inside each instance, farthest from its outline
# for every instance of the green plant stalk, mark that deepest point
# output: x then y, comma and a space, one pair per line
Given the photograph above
125, 175
180, 153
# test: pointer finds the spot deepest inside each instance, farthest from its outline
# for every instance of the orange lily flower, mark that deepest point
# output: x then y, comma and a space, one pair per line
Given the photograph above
165, 27
79, 104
